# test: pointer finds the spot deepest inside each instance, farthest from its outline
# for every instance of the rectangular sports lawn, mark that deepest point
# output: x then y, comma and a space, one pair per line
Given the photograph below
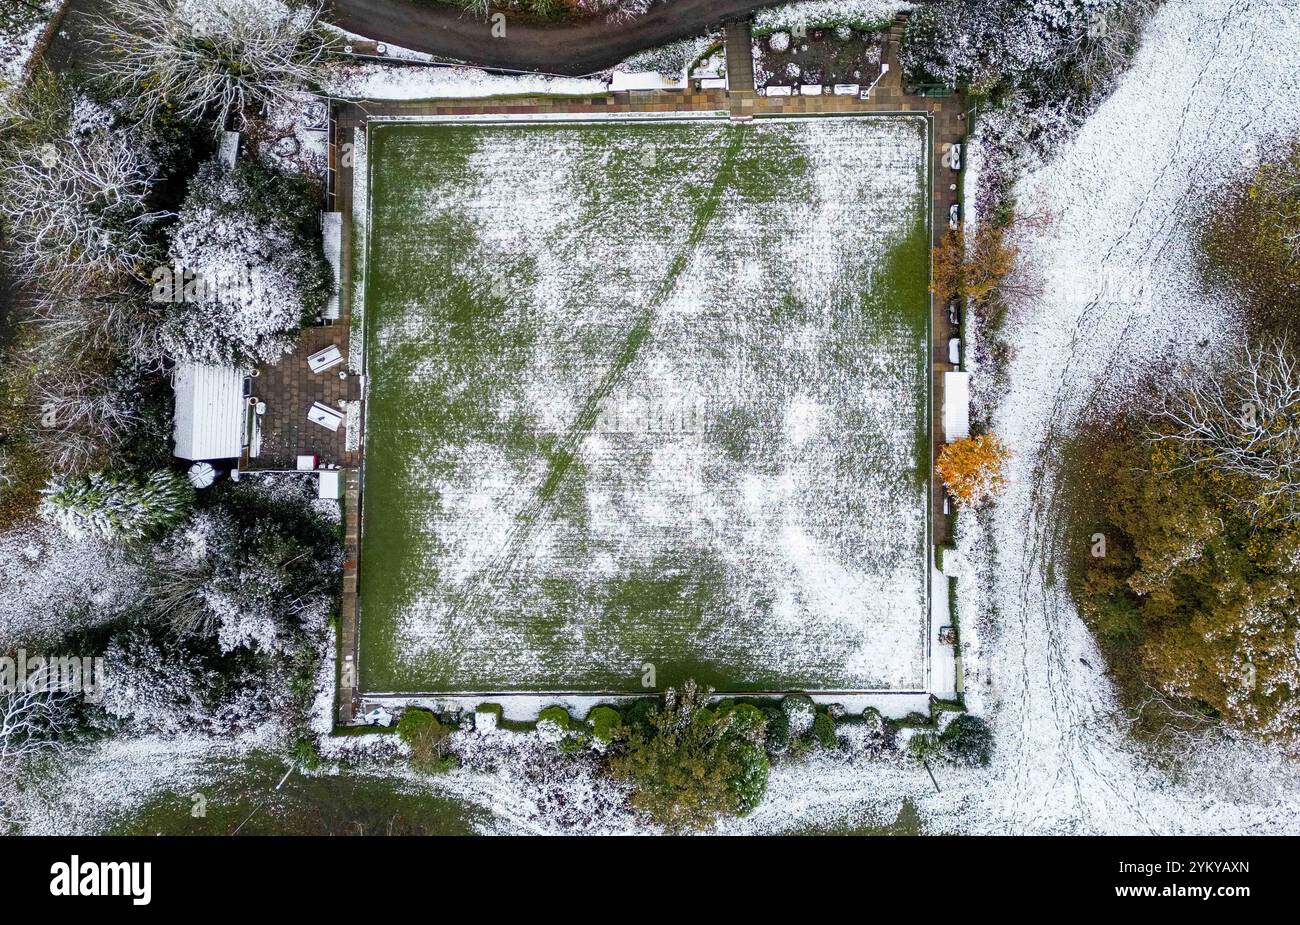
646, 393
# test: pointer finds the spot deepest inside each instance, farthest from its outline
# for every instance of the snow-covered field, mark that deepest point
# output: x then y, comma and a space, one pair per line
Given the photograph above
1213, 85
646, 393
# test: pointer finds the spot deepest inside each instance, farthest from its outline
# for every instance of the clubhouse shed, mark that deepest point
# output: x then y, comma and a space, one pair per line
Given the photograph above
956, 406
211, 411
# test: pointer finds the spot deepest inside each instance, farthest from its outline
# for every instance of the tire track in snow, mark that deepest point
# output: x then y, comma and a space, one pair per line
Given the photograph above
486, 585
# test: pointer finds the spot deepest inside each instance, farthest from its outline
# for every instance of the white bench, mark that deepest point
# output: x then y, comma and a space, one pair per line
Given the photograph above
325, 359
325, 416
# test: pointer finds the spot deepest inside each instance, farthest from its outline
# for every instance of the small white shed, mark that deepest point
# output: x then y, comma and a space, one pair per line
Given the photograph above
956, 406
228, 149
211, 411
331, 224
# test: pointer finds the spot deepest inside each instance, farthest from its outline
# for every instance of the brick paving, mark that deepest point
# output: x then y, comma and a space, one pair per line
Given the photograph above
348, 604
295, 386
289, 389
738, 43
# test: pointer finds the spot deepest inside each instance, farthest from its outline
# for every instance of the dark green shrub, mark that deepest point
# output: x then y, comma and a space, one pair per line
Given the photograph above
924, 745
967, 740
748, 720
605, 723
800, 712
823, 730
749, 781
429, 740
556, 726
639, 713
306, 754
778, 729
556, 714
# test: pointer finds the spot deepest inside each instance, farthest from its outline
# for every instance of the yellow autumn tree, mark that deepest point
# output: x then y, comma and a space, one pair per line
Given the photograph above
946, 270
971, 469
973, 271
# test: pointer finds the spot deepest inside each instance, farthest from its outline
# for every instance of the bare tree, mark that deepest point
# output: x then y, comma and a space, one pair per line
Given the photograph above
75, 209
32, 721
1244, 421
1104, 39
176, 589
84, 413
216, 58
83, 324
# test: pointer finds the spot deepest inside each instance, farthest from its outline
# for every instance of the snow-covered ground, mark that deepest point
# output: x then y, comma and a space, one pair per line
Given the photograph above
1213, 85
21, 25
51, 585
828, 12
374, 81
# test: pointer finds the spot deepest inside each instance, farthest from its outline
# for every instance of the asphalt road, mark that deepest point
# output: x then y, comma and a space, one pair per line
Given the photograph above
577, 48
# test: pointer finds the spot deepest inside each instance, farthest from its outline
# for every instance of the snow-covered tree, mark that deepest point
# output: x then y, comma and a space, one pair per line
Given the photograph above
1195, 566
250, 573
154, 685
691, 764
1044, 63
210, 58
86, 413
79, 322
248, 246
1244, 424
74, 205
117, 507
169, 686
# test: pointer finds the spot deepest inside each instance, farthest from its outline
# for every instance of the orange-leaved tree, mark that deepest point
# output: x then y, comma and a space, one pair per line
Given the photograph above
971, 468
976, 271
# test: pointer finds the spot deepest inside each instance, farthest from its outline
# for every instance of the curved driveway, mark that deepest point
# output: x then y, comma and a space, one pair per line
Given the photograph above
582, 47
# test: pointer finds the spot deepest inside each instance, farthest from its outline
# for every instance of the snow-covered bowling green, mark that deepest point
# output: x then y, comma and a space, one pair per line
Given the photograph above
645, 397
